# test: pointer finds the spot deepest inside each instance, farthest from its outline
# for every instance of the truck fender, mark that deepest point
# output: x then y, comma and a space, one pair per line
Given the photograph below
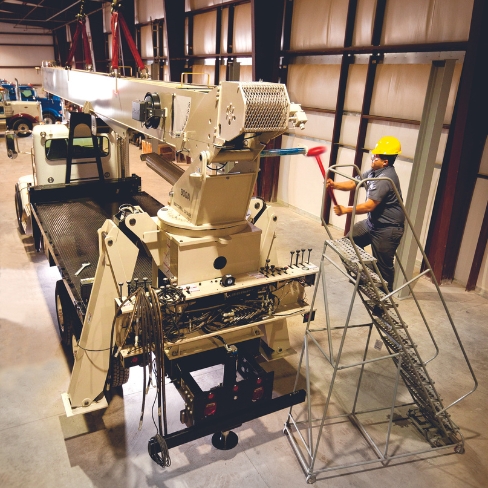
30, 118
51, 111
51, 114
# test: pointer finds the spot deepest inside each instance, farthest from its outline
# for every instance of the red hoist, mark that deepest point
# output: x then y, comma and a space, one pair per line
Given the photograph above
81, 31
118, 23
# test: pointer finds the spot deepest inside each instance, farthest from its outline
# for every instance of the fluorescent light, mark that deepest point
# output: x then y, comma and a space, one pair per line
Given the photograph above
20, 2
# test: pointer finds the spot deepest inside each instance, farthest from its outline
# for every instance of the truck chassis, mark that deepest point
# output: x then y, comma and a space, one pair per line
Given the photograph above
64, 223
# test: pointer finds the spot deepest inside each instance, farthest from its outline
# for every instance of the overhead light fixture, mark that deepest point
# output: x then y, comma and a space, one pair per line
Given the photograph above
20, 2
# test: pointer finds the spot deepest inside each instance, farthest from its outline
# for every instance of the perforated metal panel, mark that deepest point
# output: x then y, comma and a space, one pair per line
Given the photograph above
267, 107
71, 231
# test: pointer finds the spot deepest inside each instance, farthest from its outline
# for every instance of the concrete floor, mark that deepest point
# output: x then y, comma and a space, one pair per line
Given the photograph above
40, 446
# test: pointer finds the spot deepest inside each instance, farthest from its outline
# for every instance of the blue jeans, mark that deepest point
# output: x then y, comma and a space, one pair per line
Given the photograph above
384, 242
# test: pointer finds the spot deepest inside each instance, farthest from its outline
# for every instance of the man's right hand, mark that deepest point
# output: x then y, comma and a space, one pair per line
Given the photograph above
330, 184
340, 210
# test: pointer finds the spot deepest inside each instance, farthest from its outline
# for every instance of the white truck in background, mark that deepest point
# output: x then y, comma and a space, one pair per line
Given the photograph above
19, 116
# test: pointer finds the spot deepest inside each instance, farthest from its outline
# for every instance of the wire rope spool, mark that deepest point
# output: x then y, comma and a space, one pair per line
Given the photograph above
153, 104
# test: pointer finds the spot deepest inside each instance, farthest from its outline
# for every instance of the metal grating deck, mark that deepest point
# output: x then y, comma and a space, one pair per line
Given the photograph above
71, 231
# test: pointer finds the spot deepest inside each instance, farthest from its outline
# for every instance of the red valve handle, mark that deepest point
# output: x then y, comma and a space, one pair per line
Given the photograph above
316, 152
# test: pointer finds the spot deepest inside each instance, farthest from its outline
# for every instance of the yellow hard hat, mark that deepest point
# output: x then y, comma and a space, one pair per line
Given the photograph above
388, 145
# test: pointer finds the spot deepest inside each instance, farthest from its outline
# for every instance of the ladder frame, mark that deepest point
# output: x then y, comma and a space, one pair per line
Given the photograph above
77, 119
384, 299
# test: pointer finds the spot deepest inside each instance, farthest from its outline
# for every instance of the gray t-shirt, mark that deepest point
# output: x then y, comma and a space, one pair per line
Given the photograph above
388, 212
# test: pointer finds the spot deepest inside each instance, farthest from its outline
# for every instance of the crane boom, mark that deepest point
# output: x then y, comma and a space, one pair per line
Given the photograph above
222, 129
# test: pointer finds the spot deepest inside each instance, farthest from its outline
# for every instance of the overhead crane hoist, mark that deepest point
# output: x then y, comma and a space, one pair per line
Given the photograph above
80, 32
174, 288
117, 25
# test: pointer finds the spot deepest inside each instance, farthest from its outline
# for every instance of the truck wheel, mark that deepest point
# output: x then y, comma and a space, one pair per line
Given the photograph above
120, 375
23, 127
69, 323
19, 210
74, 345
48, 118
64, 313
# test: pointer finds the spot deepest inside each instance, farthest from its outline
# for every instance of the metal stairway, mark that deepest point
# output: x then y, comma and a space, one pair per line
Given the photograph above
426, 414
385, 315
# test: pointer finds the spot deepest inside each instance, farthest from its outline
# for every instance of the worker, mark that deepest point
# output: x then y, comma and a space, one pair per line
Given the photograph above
383, 228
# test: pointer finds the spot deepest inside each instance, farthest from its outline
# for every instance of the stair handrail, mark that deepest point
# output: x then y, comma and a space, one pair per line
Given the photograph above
361, 183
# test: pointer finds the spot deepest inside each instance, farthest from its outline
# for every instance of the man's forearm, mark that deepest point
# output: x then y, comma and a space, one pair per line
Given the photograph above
362, 208
344, 185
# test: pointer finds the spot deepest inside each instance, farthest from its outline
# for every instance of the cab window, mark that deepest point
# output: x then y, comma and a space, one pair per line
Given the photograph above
28, 93
82, 148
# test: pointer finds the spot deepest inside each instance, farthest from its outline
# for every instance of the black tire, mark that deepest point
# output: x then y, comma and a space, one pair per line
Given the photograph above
36, 234
48, 118
19, 210
74, 344
64, 312
120, 375
22, 127
69, 323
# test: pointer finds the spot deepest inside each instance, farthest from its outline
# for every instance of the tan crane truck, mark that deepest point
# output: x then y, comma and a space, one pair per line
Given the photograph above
176, 288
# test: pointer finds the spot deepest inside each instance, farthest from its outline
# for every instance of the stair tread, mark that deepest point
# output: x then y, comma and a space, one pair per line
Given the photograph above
392, 330
345, 249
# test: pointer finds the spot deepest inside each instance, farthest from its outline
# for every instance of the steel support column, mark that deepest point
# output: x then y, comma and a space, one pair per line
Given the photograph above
98, 41
424, 160
463, 152
374, 59
61, 46
288, 14
478, 254
128, 11
218, 38
267, 22
229, 69
347, 60
174, 24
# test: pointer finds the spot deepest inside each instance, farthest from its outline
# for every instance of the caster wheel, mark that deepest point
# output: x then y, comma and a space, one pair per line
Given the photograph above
459, 449
311, 479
